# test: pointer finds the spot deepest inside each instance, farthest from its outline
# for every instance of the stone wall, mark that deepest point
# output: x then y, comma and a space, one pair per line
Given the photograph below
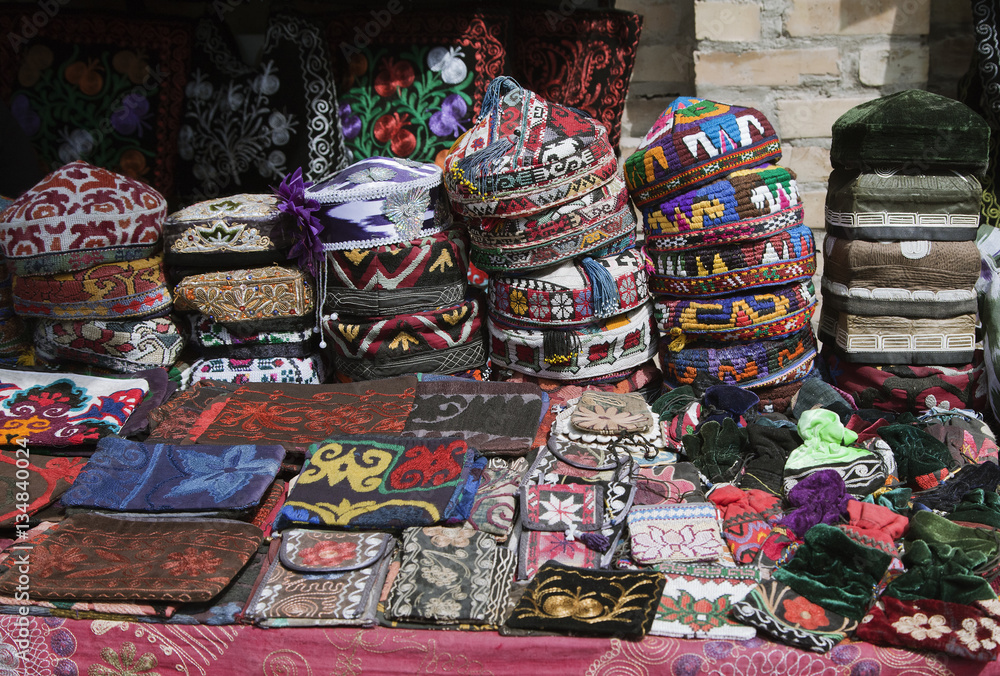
802, 62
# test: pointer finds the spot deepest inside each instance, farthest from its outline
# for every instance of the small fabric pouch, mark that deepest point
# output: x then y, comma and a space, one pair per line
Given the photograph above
451, 575
401, 278
908, 279
675, 533
215, 340
770, 313
779, 612
697, 599
562, 507
443, 340
956, 629
618, 343
237, 231
612, 413
668, 484
780, 258
130, 290
589, 602
302, 370
747, 519
135, 476
258, 297
81, 216
175, 560
495, 505
323, 578
122, 346
896, 207
574, 293
899, 340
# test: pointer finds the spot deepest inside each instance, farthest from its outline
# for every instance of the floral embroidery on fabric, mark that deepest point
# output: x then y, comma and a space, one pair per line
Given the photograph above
327, 553
971, 633
804, 612
921, 627
192, 561
124, 663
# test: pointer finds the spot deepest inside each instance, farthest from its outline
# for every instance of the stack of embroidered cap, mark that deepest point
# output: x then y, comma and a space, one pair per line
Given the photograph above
732, 260
902, 210
84, 249
540, 189
251, 319
392, 274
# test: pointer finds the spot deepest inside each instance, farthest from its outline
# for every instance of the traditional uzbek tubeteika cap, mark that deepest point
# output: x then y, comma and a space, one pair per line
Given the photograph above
892, 205
121, 346
572, 294
129, 290
80, 216
525, 155
214, 339
695, 141
621, 342
597, 223
238, 231
912, 278
443, 340
422, 274
255, 298
914, 128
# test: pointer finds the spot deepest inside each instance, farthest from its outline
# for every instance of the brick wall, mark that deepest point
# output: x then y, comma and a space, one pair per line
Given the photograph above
802, 62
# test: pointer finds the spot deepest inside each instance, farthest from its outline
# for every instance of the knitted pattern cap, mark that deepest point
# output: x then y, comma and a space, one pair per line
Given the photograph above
911, 128
80, 216
525, 155
694, 141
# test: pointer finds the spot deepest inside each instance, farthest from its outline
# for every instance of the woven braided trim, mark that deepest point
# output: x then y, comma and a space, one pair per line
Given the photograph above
754, 364
458, 358
135, 306
384, 302
900, 302
709, 171
731, 233
619, 343
767, 314
59, 263
542, 302
612, 236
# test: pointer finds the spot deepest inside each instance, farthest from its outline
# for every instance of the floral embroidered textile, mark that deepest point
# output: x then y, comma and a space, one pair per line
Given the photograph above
48, 478
681, 532
696, 601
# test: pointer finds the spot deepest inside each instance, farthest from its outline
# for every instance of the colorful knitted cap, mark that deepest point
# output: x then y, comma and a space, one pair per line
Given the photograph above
912, 278
896, 206
899, 340
782, 258
591, 223
573, 293
80, 216
745, 205
695, 141
133, 289
443, 340
766, 314
121, 346
424, 273
618, 343
911, 128
525, 155
753, 364
259, 297
236, 231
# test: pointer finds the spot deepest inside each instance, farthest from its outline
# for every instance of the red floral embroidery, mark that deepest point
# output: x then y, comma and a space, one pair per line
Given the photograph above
393, 129
598, 352
193, 562
423, 467
632, 340
394, 75
328, 553
805, 613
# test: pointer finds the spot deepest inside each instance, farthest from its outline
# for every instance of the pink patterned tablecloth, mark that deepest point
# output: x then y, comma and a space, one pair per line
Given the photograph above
61, 647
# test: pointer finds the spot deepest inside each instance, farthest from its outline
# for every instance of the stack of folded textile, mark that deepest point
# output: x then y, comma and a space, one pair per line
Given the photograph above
251, 320
540, 189
393, 277
83, 247
732, 260
901, 263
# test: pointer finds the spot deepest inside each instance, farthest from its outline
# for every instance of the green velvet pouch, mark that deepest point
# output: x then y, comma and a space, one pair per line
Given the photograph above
835, 572
917, 453
932, 527
940, 571
978, 506
716, 449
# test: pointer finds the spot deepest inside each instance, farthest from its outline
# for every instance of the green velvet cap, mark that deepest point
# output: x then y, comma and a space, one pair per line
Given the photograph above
914, 129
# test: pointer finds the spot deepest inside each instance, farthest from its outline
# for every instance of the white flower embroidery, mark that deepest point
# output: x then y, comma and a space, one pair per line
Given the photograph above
921, 627
968, 634
559, 511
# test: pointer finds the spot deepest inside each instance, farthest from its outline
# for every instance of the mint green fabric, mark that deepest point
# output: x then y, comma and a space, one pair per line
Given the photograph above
824, 440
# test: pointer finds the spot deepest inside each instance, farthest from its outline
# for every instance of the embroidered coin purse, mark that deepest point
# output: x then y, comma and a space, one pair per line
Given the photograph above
260, 297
